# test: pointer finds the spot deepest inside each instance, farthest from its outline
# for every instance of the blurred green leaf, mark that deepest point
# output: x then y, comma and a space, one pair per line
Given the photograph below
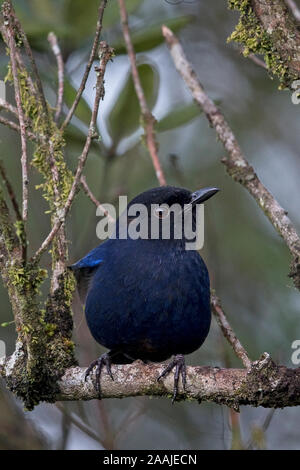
124, 118
178, 117
81, 16
83, 111
38, 17
151, 37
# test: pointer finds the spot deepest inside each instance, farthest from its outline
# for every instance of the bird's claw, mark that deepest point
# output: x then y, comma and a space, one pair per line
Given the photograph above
104, 359
180, 369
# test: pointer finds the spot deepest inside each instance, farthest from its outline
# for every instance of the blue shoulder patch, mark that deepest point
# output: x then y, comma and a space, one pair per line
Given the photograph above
91, 260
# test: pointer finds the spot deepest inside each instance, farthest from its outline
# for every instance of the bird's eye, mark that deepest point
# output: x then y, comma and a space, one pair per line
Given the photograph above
161, 212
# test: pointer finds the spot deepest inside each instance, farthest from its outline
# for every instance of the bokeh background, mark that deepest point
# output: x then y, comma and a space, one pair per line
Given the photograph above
247, 260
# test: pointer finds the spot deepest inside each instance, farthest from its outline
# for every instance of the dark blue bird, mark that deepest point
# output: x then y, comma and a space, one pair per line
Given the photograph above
147, 299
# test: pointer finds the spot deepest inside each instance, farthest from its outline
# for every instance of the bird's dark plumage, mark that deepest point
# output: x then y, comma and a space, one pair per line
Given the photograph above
147, 299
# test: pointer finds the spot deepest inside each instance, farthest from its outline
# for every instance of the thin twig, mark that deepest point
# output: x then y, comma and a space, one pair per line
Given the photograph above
89, 193
292, 5
92, 58
105, 55
257, 61
60, 73
9, 33
148, 118
10, 191
28, 51
235, 162
228, 331
254, 59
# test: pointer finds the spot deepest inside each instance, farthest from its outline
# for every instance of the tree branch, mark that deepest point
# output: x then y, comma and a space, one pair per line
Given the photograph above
39, 86
148, 118
105, 55
235, 162
8, 32
92, 58
60, 73
264, 384
268, 28
89, 193
228, 331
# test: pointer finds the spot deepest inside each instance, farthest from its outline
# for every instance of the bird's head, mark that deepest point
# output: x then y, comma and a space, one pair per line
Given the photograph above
162, 213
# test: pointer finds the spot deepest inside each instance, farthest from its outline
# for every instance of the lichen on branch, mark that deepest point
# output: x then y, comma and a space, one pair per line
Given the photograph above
266, 28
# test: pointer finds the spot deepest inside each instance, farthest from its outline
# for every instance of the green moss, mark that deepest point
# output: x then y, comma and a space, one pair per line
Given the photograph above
46, 129
26, 278
255, 40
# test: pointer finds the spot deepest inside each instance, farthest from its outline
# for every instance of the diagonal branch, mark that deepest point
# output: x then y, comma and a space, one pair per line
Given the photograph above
105, 55
228, 331
92, 58
89, 193
235, 162
148, 118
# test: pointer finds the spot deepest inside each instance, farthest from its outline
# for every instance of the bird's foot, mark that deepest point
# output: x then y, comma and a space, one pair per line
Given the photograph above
180, 369
104, 359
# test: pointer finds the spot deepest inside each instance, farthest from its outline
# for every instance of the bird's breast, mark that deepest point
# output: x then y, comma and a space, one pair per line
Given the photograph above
156, 298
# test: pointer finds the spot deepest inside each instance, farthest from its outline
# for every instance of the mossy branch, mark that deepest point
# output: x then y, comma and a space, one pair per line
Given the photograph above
267, 28
44, 346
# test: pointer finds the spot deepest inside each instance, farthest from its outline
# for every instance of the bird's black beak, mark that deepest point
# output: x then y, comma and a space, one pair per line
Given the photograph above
198, 197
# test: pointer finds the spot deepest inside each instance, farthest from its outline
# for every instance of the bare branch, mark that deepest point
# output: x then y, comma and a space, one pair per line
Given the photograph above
105, 55
236, 163
60, 73
292, 5
89, 193
148, 118
228, 331
92, 58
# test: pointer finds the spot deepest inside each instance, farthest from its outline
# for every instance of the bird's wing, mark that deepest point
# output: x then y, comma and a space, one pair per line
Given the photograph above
84, 271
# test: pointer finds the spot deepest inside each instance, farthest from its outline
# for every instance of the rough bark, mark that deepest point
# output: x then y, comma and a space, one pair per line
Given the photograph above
266, 27
264, 384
